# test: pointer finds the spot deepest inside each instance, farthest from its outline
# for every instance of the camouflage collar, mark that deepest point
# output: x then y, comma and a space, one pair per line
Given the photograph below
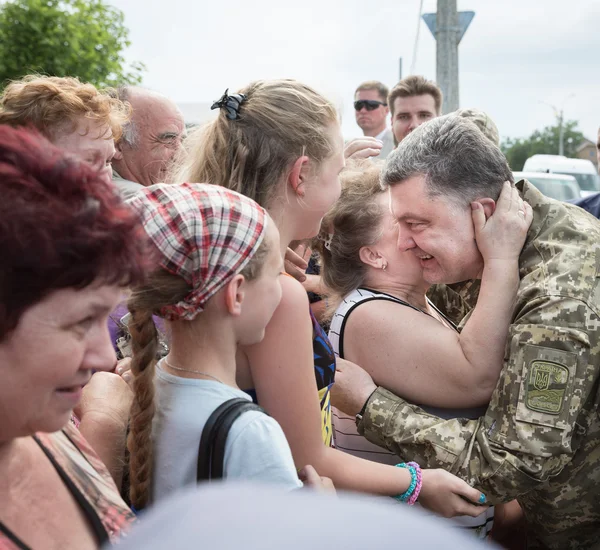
467, 290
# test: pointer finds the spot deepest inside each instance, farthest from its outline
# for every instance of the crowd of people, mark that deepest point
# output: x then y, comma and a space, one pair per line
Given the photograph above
257, 299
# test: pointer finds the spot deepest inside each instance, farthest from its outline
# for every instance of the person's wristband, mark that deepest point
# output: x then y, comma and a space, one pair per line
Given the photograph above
360, 415
411, 494
413, 498
404, 497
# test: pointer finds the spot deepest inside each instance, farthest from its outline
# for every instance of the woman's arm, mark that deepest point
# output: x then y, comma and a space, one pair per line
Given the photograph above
103, 414
283, 372
418, 358
415, 356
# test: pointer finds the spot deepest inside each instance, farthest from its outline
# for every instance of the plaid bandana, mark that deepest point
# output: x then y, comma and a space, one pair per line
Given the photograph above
205, 234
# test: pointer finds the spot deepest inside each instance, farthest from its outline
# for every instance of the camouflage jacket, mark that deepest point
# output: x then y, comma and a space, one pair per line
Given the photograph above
456, 300
539, 440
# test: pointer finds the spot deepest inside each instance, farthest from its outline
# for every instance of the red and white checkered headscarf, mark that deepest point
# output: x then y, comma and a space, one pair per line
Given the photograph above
205, 234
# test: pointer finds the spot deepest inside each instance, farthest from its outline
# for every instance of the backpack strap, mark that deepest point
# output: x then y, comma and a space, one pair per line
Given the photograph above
211, 452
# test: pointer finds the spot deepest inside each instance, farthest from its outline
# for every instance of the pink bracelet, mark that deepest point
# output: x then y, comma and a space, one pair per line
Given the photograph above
413, 498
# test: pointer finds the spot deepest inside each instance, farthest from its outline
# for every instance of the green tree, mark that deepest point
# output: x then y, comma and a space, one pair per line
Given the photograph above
544, 141
83, 38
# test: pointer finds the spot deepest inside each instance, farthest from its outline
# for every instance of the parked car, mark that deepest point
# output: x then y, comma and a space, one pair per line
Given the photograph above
582, 170
555, 186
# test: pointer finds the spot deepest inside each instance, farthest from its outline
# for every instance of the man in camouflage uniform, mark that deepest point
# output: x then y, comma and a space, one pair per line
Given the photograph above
539, 441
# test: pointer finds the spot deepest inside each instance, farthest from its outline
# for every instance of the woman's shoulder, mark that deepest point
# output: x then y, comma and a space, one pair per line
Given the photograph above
293, 296
289, 325
69, 443
355, 297
88, 473
371, 308
78, 459
370, 300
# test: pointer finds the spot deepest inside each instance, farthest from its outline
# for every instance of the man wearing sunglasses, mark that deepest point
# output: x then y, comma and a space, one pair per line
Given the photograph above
370, 106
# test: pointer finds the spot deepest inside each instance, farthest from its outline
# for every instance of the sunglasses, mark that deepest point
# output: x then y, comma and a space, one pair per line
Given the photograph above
368, 104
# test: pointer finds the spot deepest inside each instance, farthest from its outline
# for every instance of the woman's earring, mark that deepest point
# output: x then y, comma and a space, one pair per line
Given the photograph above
326, 240
384, 266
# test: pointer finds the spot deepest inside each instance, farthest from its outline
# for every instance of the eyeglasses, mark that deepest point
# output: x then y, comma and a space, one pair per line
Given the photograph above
368, 104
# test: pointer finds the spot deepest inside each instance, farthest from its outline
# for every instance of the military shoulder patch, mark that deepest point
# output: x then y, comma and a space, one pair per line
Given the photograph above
546, 386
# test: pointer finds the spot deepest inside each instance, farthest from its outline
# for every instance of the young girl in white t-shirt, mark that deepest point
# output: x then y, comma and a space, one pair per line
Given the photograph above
217, 286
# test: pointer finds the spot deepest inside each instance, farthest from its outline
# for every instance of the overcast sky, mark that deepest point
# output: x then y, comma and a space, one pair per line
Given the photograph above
517, 56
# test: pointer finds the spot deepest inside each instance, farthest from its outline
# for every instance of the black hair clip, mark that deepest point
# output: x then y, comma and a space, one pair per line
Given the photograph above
231, 104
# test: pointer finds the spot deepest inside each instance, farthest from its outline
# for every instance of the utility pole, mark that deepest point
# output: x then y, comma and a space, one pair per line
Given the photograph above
448, 27
447, 53
560, 119
561, 133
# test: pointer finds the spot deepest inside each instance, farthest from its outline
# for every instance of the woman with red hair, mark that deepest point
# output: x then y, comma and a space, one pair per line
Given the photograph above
69, 247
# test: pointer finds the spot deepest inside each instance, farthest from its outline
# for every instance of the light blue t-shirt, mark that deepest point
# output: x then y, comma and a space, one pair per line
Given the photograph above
256, 448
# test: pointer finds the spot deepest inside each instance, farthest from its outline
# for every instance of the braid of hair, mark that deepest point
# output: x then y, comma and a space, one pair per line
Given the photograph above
144, 339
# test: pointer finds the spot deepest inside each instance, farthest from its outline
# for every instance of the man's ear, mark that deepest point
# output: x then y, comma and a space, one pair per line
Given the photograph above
298, 175
118, 150
489, 206
369, 256
234, 295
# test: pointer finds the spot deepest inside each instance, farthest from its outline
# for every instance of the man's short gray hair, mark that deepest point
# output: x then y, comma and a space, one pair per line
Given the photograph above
456, 159
130, 132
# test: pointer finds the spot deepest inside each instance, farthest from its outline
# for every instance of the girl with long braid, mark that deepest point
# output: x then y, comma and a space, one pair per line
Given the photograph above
217, 287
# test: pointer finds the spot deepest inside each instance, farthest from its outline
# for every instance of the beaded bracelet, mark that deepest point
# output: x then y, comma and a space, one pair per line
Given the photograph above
411, 495
413, 482
413, 498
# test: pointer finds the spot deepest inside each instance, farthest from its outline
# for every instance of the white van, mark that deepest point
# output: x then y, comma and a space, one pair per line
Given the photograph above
582, 170
556, 186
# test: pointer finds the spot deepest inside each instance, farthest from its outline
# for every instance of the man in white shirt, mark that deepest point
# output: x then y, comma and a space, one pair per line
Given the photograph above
370, 106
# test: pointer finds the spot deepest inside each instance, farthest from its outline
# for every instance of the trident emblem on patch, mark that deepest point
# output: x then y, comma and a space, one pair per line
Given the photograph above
542, 380
546, 387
